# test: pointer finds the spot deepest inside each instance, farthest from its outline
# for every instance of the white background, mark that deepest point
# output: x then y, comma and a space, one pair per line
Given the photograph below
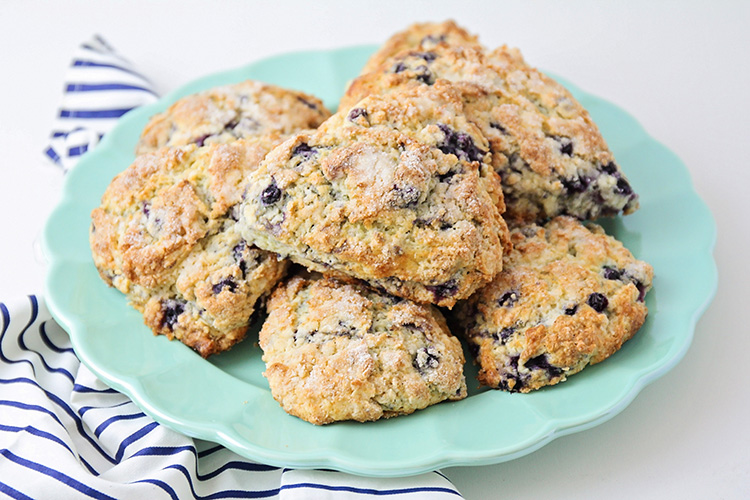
681, 68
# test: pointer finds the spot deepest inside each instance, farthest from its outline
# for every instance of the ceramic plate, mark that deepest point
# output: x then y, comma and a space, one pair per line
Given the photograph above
227, 400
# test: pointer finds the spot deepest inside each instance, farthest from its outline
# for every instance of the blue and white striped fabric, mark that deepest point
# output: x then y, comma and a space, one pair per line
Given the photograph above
100, 86
66, 435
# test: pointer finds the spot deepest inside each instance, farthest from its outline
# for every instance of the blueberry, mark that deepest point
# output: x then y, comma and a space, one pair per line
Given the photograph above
399, 67
424, 75
641, 291
444, 290
427, 56
411, 326
426, 358
504, 334
171, 312
499, 127
570, 311
304, 150
405, 197
446, 177
234, 212
356, 113
511, 374
423, 222
541, 363
623, 187
232, 124
201, 140
459, 144
238, 255
609, 168
611, 273
508, 299
576, 184
566, 144
225, 283
146, 207
598, 302
271, 194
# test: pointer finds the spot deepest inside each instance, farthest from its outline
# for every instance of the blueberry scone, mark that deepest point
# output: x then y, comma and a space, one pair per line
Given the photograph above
340, 351
396, 191
227, 113
164, 235
568, 296
422, 36
549, 153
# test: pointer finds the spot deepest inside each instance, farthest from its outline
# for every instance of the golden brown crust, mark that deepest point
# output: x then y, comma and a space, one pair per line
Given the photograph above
546, 148
568, 296
153, 213
398, 193
224, 114
164, 236
339, 351
422, 36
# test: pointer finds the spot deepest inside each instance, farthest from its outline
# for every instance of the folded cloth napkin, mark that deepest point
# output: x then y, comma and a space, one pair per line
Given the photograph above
65, 434
100, 86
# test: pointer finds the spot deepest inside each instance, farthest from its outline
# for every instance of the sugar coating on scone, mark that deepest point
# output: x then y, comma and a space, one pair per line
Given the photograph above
230, 112
423, 36
216, 290
339, 351
164, 236
569, 296
409, 208
548, 151
433, 115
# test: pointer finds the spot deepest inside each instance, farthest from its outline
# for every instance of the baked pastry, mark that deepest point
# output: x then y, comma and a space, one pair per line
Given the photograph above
230, 112
422, 36
165, 232
164, 235
550, 155
341, 351
397, 192
568, 296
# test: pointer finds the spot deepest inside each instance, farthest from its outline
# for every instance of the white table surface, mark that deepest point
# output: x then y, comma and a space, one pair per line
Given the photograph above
681, 68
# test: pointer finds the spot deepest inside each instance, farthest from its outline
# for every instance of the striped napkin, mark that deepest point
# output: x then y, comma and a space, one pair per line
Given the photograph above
65, 435
100, 87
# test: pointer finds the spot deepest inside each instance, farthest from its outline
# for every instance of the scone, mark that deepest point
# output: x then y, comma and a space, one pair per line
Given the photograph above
224, 114
340, 351
549, 153
164, 235
396, 191
568, 296
422, 36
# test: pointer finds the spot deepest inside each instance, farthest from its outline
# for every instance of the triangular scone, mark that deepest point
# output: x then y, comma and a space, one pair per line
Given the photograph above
341, 351
163, 235
423, 36
230, 112
549, 153
396, 191
568, 296
165, 232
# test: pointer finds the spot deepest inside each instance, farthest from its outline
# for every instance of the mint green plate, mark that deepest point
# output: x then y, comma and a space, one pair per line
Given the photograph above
227, 400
